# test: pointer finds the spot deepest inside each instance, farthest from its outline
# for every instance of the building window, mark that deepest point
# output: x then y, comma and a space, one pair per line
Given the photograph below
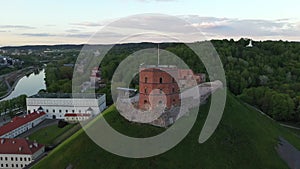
60, 111
160, 102
53, 110
12, 165
73, 111
16, 159
146, 90
28, 111
21, 159
79, 111
6, 165
12, 159
160, 80
47, 110
146, 80
174, 100
1, 165
17, 166
66, 111
145, 101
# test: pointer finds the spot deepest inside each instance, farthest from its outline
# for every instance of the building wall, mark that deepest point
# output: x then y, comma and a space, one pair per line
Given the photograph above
19, 160
164, 80
14, 133
15, 160
75, 119
58, 107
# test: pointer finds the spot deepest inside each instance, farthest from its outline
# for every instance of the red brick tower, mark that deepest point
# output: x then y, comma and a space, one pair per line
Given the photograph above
160, 78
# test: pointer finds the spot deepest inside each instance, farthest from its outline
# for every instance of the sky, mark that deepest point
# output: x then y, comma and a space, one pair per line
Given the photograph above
34, 22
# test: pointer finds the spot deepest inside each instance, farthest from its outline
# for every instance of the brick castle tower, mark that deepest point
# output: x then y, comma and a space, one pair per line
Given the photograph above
162, 78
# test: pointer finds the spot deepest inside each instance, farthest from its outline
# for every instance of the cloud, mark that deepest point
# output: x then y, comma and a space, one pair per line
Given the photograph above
16, 27
156, 0
38, 34
79, 35
87, 24
73, 30
186, 28
244, 27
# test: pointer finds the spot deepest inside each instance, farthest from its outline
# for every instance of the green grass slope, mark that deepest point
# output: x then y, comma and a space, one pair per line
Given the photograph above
244, 139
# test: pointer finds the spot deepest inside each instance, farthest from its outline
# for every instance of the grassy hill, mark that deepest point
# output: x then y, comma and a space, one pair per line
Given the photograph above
244, 139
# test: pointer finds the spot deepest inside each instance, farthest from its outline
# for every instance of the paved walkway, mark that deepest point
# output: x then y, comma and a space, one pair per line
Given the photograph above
288, 153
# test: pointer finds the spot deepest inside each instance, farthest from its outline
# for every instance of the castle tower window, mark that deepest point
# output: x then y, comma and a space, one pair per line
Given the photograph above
145, 101
160, 80
146, 90
146, 80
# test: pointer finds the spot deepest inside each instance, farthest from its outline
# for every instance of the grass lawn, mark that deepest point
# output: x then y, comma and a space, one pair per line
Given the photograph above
296, 131
244, 139
50, 134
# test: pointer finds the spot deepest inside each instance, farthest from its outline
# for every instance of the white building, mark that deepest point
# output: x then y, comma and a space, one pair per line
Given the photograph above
19, 125
57, 105
18, 153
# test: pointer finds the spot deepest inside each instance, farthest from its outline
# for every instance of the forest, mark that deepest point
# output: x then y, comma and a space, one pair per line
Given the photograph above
266, 76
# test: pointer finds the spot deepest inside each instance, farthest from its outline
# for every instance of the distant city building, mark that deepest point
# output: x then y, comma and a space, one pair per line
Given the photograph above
60, 105
7, 61
95, 77
19, 125
18, 153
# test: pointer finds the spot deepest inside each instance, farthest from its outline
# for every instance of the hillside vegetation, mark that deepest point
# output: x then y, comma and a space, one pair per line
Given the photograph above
243, 139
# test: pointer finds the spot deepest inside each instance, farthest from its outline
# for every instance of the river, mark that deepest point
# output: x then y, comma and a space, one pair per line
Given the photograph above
28, 85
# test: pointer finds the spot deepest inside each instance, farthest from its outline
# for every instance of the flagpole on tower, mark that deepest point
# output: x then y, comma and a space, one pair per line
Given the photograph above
158, 54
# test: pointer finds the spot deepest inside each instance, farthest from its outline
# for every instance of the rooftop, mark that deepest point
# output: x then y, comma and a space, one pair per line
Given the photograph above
67, 95
158, 66
17, 122
18, 146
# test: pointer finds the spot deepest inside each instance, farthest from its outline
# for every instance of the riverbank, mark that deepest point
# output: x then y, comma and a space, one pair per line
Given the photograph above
15, 78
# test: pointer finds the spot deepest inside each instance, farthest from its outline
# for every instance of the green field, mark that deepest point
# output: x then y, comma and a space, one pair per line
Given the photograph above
50, 134
244, 139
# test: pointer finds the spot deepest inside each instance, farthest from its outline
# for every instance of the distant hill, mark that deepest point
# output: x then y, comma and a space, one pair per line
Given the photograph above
42, 47
244, 139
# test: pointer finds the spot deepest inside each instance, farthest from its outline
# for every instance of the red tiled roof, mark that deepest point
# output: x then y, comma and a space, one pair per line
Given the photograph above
18, 146
17, 122
76, 114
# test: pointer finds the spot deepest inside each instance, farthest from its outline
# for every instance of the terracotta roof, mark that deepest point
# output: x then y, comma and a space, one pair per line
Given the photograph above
17, 122
76, 114
18, 146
